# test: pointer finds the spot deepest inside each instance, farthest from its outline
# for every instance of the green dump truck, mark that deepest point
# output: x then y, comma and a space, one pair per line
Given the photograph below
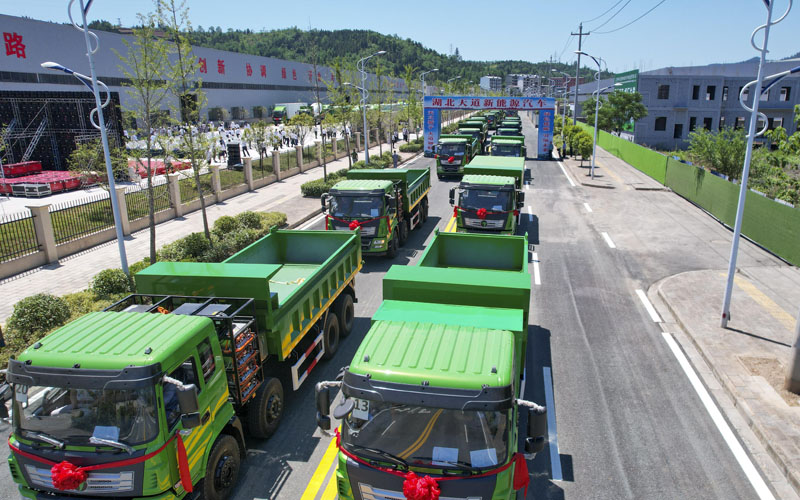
508, 125
475, 132
453, 152
490, 195
386, 205
148, 399
508, 145
436, 386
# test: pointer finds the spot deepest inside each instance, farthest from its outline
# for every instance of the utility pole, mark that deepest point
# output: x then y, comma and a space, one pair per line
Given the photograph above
580, 34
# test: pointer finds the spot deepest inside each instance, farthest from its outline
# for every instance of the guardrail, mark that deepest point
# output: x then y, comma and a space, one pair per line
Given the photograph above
17, 236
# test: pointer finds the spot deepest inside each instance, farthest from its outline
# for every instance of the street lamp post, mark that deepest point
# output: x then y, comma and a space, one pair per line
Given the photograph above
360, 65
566, 97
422, 77
597, 61
751, 134
93, 84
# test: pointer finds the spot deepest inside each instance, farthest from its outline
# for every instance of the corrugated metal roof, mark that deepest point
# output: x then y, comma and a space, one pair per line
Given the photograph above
114, 340
362, 185
443, 355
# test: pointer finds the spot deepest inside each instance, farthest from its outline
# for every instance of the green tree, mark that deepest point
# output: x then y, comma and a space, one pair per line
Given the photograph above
616, 109
187, 89
302, 124
583, 143
88, 160
341, 98
145, 68
721, 151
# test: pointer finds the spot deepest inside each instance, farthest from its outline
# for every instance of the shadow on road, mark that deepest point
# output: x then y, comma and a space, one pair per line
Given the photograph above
413, 247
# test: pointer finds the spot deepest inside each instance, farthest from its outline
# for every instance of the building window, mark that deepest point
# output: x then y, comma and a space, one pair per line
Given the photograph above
759, 124
692, 123
725, 93
663, 92
721, 122
678, 132
707, 123
786, 92
661, 123
696, 92
739, 122
746, 94
711, 90
764, 95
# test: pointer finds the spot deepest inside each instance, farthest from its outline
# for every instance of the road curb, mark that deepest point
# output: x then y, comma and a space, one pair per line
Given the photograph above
305, 219
744, 409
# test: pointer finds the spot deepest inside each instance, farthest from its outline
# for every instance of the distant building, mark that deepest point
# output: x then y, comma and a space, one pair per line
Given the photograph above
680, 100
491, 83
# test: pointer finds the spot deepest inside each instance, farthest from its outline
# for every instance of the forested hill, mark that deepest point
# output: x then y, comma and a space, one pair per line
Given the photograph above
350, 45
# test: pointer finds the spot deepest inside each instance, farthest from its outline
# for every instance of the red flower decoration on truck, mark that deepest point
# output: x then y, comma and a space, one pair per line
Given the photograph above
67, 476
420, 487
354, 225
482, 213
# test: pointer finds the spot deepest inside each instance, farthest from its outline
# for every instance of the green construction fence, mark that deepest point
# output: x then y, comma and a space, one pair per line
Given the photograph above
772, 225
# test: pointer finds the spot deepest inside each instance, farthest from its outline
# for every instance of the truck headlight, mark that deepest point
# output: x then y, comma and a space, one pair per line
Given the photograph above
378, 243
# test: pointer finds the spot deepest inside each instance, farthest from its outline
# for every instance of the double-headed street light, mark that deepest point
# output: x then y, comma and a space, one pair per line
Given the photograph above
360, 65
597, 61
422, 77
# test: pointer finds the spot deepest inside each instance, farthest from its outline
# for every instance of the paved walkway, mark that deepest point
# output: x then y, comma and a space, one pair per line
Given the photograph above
73, 273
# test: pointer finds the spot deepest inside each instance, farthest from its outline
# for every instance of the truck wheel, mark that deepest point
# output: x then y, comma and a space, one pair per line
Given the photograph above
265, 410
346, 314
440, 176
403, 232
424, 214
222, 470
392, 251
330, 338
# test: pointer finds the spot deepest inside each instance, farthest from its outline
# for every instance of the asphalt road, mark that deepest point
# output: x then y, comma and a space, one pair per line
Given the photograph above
629, 424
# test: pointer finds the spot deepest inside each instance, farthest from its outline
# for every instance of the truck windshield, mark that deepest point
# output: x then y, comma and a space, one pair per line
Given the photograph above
424, 436
490, 199
356, 207
73, 416
505, 150
451, 150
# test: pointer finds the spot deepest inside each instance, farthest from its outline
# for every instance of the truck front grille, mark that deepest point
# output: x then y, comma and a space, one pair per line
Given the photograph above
365, 230
99, 482
489, 224
370, 493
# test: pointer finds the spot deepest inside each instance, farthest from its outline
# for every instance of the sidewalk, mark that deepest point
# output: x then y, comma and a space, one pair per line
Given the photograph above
73, 273
609, 173
747, 361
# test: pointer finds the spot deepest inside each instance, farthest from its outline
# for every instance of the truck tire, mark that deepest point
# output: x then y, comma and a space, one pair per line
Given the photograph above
346, 314
330, 336
424, 214
222, 470
392, 251
403, 231
265, 410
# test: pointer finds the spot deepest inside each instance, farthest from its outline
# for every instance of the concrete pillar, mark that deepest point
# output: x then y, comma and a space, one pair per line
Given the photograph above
216, 184
43, 225
276, 164
123, 210
792, 383
174, 190
358, 142
299, 155
319, 154
248, 173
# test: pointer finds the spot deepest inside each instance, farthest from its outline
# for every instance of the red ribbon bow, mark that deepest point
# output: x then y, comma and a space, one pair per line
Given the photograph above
68, 476
451, 159
481, 213
354, 225
420, 487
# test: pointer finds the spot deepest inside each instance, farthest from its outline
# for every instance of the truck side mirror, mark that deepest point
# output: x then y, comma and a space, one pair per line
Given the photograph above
534, 445
344, 409
190, 420
323, 422
324, 200
323, 399
187, 398
537, 423
521, 197
452, 196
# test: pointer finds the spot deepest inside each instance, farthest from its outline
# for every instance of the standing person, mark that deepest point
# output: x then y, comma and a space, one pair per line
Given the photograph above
262, 149
245, 150
315, 133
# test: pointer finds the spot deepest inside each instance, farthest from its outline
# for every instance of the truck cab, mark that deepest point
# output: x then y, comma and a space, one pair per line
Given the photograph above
453, 152
502, 145
279, 115
126, 408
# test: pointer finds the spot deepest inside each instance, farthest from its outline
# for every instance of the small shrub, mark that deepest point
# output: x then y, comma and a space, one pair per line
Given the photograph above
37, 314
249, 220
85, 301
224, 225
315, 188
138, 266
110, 282
411, 147
271, 219
194, 245
171, 252
219, 251
242, 238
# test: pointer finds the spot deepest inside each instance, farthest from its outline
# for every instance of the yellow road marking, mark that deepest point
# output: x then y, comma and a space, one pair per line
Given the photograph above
612, 174
422, 437
322, 471
330, 490
764, 301
449, 227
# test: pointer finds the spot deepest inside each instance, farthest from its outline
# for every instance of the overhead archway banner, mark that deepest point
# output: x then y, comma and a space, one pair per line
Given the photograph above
433, 105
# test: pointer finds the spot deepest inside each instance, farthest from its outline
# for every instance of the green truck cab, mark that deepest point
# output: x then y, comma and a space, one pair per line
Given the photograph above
435, 386
476, 132
476, 121
279, 115
148, 398
508, 145
454, 151
490, 195
386, 205
493, 117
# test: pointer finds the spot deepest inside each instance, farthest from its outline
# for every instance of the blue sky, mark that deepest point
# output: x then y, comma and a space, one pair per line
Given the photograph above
676, 33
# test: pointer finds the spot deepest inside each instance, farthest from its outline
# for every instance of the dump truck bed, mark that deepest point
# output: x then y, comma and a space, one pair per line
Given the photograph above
416, 182
293, 276
498, 165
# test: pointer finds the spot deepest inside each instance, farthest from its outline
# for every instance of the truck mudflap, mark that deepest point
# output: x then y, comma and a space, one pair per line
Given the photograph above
300, 369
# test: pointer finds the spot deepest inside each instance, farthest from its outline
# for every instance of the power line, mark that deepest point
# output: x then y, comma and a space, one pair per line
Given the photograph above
615, 14
626, 25
604, 13
569, 39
